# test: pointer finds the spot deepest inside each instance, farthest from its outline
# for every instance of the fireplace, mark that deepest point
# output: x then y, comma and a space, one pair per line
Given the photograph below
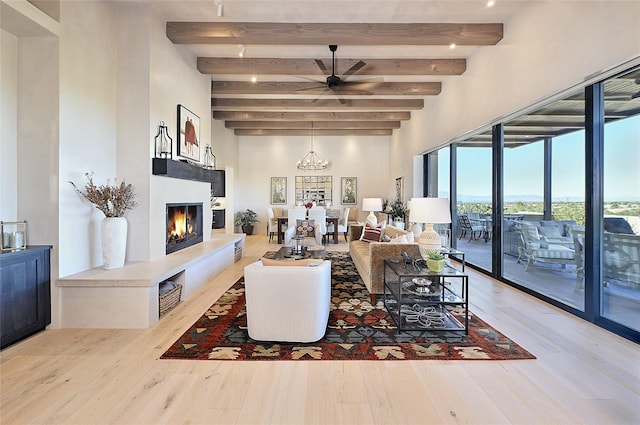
184, 226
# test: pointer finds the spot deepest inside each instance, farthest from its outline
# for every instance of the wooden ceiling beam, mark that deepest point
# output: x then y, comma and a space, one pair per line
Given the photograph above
313, 125
229, 104
302, 132
274, 66
311, 116
221, 88
436, 34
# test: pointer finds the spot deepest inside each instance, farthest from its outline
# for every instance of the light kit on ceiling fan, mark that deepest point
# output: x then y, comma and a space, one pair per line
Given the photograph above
241, 50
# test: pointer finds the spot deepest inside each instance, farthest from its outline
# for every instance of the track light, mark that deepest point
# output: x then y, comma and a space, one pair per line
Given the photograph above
220, 5
241, 50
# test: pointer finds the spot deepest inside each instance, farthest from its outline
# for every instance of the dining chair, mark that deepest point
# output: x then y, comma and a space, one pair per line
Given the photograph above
343, 223
272, 223
466, 226
319, 214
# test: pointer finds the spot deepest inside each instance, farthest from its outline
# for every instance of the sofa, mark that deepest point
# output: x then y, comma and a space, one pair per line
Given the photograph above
556, 232
369, 257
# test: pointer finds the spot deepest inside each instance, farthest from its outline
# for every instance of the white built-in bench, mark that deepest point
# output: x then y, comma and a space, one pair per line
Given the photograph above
128, 297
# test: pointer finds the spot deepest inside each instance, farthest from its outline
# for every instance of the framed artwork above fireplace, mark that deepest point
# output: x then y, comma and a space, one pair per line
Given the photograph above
188, 134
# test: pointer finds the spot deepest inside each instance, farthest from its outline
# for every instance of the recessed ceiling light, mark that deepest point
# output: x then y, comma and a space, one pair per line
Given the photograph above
254, 79
490, 3
452, 45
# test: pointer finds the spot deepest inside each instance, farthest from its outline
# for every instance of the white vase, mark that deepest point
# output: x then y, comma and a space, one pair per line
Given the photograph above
113, 232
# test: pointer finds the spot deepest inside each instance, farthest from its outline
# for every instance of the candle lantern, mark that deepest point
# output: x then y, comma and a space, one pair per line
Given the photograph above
14, 235
163, 142
209, 159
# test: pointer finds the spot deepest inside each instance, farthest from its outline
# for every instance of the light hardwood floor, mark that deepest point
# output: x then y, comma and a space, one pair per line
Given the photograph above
582, 374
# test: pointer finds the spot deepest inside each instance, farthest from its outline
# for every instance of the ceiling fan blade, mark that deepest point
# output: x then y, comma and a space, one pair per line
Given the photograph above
319, 85
322, 67
354, 68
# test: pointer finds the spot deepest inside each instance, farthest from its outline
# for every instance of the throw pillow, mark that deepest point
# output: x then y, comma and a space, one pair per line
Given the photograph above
272, 262
371, 233
399, 239
305, 227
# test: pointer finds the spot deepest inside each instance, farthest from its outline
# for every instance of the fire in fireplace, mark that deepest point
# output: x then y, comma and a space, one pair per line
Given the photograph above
184, 226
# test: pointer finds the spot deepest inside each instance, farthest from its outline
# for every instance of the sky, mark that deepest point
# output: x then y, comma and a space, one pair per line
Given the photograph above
523, 178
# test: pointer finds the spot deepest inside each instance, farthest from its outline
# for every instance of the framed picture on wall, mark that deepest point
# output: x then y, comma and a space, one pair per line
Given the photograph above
188, 134
349, 190
278, 190
399, 188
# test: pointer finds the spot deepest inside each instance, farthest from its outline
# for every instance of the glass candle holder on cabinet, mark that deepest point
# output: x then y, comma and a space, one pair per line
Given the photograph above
14, 235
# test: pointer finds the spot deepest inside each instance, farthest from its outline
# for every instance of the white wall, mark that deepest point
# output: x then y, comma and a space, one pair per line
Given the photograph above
261, 158
120, 77
548, 47
174, 79
8, 126
88, 125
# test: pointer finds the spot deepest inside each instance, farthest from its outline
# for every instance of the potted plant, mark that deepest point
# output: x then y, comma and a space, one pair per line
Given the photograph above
113, 200
435, 262
246, 220
398, 212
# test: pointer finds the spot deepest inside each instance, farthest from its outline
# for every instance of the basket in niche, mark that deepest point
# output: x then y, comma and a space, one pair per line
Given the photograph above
170, 293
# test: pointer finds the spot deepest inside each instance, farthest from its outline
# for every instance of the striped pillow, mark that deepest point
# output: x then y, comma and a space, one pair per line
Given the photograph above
371, 233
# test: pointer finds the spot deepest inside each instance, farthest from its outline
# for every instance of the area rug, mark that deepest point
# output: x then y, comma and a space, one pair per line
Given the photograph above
357, 330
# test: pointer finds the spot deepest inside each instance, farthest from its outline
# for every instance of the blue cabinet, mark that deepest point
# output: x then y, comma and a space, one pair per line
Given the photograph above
25, 293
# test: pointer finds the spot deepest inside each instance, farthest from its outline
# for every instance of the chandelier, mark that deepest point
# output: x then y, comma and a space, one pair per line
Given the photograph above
311, 161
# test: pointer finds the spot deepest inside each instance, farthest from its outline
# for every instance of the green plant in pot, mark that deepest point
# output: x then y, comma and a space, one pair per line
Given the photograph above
435, 262
246, 220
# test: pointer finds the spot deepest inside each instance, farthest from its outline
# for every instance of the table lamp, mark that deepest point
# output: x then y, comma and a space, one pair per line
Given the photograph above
429, 211
371, 205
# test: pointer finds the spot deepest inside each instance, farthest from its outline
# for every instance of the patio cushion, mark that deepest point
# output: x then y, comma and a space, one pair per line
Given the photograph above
555, 251
551, 229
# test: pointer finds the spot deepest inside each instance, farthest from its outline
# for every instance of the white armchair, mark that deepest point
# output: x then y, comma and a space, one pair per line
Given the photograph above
287, 303
319, 215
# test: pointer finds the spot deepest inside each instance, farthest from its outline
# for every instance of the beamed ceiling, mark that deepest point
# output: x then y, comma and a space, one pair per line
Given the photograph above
391, 55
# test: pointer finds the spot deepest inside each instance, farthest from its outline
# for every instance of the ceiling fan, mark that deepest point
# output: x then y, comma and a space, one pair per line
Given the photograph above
333, 81
336, 83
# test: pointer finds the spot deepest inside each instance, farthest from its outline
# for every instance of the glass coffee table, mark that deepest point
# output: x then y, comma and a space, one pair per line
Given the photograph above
289, 253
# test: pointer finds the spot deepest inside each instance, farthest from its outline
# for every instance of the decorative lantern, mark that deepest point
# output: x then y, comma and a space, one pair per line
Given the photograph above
163, 142
14, 235
209, 159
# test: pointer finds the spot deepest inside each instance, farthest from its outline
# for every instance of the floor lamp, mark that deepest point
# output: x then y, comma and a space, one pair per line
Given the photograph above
429, 211
371, 205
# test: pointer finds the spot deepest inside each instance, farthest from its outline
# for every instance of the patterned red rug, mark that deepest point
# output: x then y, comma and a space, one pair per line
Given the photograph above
357, 330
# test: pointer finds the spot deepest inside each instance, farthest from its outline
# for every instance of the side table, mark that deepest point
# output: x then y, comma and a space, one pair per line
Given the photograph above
453, 252
423, 300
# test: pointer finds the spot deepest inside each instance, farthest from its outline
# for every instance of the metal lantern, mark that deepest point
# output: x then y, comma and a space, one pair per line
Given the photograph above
163, 142
209, 159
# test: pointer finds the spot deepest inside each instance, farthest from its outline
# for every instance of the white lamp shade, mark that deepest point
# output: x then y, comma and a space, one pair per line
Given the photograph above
430, 210
371, 204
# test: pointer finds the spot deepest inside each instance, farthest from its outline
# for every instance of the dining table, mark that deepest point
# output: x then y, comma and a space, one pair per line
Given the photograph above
284, 221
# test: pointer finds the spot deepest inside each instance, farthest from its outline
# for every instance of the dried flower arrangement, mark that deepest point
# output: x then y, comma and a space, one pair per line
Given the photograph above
112, 200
